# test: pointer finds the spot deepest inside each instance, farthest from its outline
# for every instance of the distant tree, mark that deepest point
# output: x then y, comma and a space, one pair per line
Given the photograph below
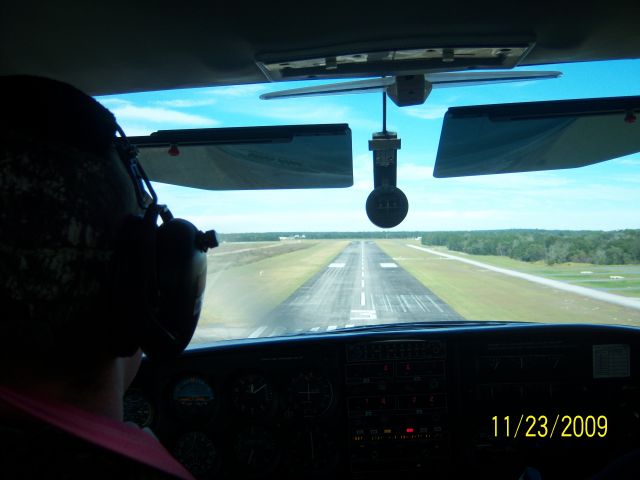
615, 255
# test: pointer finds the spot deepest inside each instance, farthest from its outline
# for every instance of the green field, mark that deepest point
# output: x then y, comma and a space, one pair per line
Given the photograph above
478, 294
229, 247
231, 255
240, 290
583, 274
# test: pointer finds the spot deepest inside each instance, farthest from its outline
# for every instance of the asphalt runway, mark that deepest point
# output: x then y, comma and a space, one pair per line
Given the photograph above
361, 286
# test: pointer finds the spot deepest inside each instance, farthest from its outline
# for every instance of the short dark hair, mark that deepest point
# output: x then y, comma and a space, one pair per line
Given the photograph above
64, 198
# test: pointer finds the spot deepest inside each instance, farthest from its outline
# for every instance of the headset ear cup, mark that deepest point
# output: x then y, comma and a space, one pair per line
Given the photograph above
181, 269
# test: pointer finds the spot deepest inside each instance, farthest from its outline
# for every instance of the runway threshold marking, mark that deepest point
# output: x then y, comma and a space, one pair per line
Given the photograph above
434, 303
258, 331
363, 315
422, 306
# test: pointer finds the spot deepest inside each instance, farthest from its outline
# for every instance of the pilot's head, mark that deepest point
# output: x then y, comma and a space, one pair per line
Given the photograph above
64, 195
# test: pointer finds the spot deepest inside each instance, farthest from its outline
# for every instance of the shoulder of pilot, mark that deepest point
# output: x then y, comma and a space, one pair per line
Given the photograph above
40, 451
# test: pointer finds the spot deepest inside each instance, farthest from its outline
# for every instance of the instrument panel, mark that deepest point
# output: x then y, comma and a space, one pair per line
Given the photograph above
397, 405
436, 404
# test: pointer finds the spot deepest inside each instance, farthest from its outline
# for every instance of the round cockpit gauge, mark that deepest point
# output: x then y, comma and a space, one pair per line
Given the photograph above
137, 408
310, 395
256, 451
313, 449
193, 398
253, 395
197, 453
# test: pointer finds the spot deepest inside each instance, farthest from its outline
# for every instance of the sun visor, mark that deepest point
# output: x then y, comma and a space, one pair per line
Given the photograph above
250, 158
525, 137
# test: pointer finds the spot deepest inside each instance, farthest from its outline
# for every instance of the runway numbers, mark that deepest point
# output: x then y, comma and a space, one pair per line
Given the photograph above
389, 265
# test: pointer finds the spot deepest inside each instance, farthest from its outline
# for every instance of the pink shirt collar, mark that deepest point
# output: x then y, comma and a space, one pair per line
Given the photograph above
118, 437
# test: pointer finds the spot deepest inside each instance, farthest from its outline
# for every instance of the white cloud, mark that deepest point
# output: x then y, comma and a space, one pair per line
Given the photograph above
427, 112
235, 90
511, 181
362, 159
113, 102
186, 103
520, 84
458, 214
355, 218
307, 111
132, 113
629, 178
133, 130
302, 113
631, 162
367, 124
411, 172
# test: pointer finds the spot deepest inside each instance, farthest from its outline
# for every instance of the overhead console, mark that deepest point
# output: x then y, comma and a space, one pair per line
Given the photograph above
441, 403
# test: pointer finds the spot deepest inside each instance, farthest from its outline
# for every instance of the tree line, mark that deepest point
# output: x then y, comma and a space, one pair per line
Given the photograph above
275, 236
551, 246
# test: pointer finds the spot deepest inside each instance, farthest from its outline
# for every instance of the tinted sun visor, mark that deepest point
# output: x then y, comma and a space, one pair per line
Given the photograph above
250, 158
526, 137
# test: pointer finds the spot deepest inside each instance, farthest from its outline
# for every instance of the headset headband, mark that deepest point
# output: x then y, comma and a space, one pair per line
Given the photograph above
129, 156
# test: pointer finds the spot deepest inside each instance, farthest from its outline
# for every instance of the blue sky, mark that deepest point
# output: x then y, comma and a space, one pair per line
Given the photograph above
605, 196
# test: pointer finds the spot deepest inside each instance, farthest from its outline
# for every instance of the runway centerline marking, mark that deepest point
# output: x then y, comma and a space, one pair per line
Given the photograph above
362, 299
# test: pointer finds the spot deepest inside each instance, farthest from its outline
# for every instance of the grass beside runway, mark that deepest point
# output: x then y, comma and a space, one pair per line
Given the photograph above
583, 274
231, 247
239, 294
478, 294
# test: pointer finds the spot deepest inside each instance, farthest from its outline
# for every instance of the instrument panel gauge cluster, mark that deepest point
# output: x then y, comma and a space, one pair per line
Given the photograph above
193, 398
256, 450
138, 409
310, 395
314, 449
196, 451
422, 406
253, 395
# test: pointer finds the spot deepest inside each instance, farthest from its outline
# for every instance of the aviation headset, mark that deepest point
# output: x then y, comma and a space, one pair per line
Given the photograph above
159, 272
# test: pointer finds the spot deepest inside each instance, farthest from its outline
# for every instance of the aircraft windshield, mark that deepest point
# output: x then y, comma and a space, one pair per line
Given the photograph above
556, 246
